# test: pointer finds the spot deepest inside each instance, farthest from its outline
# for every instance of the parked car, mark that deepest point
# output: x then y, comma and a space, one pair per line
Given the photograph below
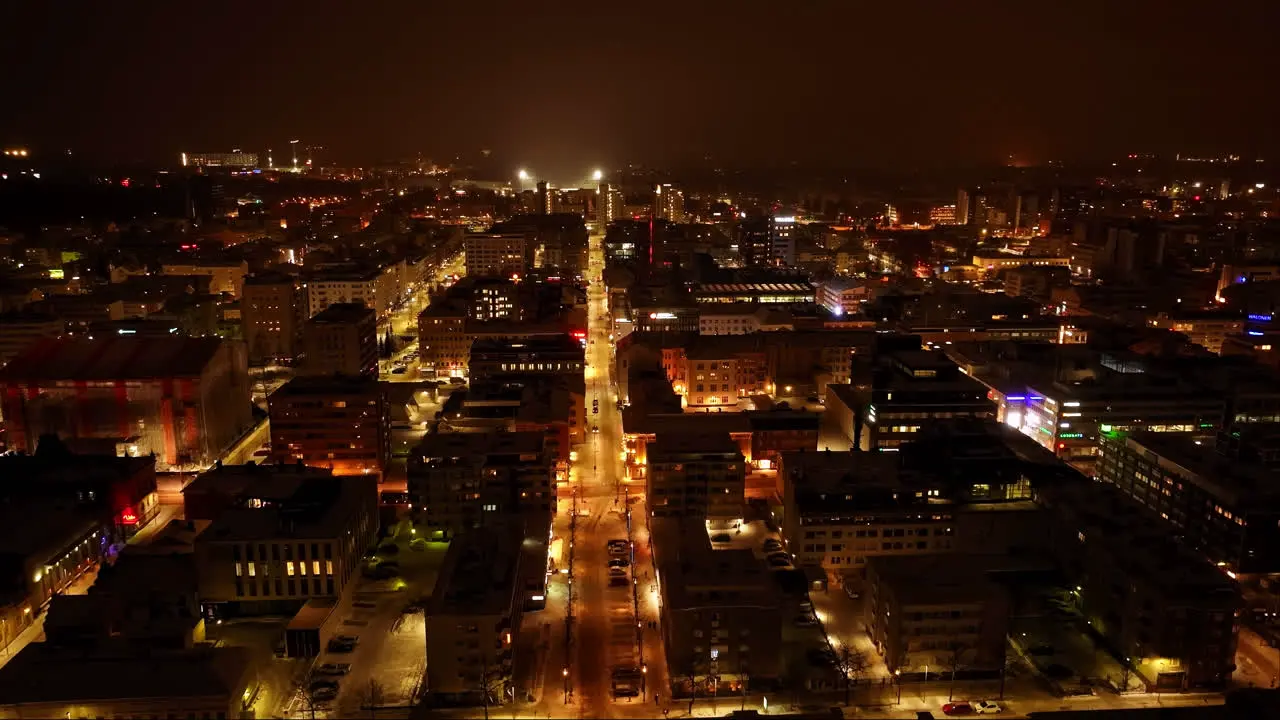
851, 592
721, 538
986, 707
618, 562
343, 643
616, 581
617, 572
779, 562
957, 708
805, 621
772, 545
806, 606
398, 371
333, 669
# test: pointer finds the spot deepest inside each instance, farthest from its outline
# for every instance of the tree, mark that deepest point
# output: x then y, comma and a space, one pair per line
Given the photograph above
692, 676
952, 660
1010, 663
372, 697
852, 664
302, 688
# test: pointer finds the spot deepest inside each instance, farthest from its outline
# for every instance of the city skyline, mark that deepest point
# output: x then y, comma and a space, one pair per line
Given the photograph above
569, 87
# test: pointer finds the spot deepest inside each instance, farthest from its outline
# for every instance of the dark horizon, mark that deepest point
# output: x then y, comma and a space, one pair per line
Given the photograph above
565, 88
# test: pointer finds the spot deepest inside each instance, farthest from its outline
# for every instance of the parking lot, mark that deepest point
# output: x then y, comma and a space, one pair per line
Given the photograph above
386, 664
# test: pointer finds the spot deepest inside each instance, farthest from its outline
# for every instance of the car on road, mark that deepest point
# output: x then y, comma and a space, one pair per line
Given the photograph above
779, 562
333, 669
959, 707
595, 429
807, 620
986, 707
618, 562
617, 572
721, 538
616, 581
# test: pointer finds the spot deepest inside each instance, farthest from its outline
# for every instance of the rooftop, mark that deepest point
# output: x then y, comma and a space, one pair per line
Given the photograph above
695, 576
480, 571
286, 504
40, 673
120, 357
328, 385
1234, 481
344, 313
936, 578
669, 446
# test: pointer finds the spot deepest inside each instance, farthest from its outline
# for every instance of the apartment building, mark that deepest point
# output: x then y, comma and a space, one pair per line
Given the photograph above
277, 536
1228, 509
338, 422
342, 339
696, 475
1154, 599
561, 354
715, 378
722, 613
226, 276
474, 617
936, 614
497, 254
1206, 328
272, 311
469, 480
378, 288
842, 508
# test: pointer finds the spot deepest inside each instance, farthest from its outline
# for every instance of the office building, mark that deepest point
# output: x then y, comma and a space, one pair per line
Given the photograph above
474, 616
469, 480
788, 292
698, 476
908, 390
499, 254
342, 339
936, 613
1226, 508
721, 612
338, 422
185, 399
272, 311
277, 536
1206, 328
842, 297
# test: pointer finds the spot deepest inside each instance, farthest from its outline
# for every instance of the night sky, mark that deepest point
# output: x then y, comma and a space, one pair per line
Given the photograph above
559, 86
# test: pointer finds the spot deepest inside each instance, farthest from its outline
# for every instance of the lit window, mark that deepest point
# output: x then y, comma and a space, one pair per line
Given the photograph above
315, 567
288, 567
252, 570
328, 567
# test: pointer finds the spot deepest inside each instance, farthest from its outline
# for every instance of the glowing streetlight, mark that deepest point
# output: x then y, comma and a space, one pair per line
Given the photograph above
524, 175
597, 175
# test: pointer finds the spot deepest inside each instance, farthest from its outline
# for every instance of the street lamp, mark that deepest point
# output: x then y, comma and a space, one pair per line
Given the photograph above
644, 681
524, 175
597, 176
897, 680
564, 672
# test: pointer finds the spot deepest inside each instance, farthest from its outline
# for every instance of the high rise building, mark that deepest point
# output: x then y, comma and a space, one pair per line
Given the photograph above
341, 340
546, 198
610, 205
668, 202
272, 311
943, 215
782, 240
962, 207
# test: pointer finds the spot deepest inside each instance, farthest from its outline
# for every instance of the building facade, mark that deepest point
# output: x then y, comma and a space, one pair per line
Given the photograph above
339, 423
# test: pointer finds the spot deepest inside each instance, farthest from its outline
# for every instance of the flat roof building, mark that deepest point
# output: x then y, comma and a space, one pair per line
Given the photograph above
721, 611
185, 399
278, 536
698, 475
342, 339
336, 422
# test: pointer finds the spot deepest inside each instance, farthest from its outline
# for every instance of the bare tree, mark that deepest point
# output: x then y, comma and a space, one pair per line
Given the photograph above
852, 664
1126, 674
302, 689
692, 677
372, 696
1009, 663
953, 660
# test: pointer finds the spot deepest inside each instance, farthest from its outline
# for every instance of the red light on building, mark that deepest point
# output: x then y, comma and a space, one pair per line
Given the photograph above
579, 334
128, 517
1196, 198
